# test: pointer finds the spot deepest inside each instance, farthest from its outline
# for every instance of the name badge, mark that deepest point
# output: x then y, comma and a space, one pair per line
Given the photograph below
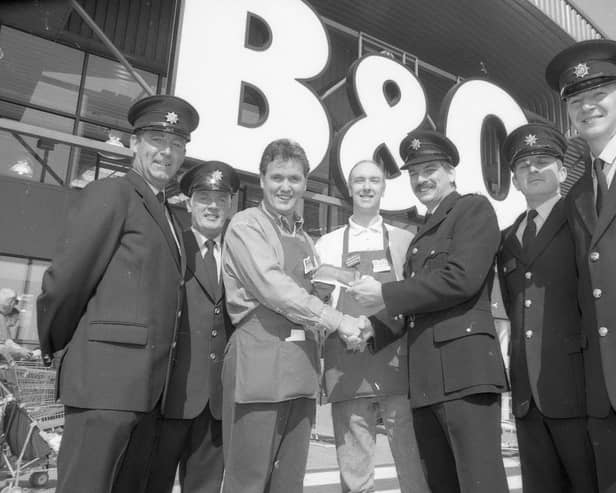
352, 260
509, 266
296, 335
380, 265
309, 265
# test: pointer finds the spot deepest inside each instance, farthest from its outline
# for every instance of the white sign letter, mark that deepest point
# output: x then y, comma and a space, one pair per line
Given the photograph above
386, 121
217, 63
466, 108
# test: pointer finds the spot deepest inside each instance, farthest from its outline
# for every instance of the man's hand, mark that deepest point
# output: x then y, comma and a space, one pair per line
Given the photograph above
350, 331
367, 331
367, 292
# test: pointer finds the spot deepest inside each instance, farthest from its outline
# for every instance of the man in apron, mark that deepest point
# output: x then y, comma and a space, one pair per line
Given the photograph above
361, 386
270, 370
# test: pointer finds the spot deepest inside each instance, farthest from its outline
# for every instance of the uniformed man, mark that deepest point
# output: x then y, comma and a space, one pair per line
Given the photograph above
585, 76
456, 371
111, 300
271, 367
361, 386
191, 430
539, 286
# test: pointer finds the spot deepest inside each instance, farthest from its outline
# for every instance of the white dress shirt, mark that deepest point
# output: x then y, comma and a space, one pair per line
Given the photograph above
361, 238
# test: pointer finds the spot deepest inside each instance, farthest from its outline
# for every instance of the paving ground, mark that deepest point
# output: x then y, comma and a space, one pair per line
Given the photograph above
322, 470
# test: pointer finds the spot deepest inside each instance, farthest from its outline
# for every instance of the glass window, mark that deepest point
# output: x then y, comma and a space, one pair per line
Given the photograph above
89, 165
30, 157
110, 90
24, 276
36, 71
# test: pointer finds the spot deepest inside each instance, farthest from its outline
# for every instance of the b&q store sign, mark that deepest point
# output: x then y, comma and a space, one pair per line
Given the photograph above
215, 63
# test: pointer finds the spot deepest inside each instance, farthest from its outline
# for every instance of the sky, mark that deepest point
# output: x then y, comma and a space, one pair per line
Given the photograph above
601, 12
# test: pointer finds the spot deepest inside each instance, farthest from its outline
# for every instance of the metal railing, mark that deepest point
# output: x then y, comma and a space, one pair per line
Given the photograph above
570, 19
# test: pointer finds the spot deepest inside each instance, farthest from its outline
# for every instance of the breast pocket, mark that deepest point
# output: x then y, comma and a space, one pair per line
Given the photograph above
438, 256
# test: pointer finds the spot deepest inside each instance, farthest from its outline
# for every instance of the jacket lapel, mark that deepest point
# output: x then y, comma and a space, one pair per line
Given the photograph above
608, 213
583, 198
552, 225
510, 241
195, 264
157, 211
439, 216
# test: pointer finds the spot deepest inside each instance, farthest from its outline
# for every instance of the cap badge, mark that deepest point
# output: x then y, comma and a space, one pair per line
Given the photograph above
415, 144
581, 70
172, 117
530, 140
215, 177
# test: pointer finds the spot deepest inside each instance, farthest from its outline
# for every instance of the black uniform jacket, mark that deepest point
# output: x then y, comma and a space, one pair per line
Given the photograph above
595, 244
202, 336
112, 298
540, 295
453, 348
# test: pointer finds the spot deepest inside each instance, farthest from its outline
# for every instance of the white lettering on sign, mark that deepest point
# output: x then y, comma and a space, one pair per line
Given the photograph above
221, 62
216, 63
466, 107
385, 123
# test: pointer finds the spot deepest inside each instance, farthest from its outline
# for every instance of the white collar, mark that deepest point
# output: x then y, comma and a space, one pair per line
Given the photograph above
544, 209
201, 239
375, 226
608, 154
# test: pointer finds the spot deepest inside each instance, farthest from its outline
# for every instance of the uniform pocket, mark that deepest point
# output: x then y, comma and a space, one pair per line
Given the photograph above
118, 332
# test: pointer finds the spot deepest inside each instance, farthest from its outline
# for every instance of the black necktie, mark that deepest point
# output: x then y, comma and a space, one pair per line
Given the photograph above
530, 231
160, 196
211, 269
601, 183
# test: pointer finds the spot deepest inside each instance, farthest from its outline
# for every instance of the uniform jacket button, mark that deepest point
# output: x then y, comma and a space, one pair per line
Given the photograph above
214, 333
603, 331
412, 325
412, 275
528, 275
528, 303
414, 251
528, 334
468, 329
594, 256
217, 310
597, 293
212, 355
432, 252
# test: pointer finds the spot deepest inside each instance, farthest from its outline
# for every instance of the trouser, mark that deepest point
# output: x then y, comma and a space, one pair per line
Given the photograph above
104, 451
555, 454
459, 442
354, 423
266, 445
196, 446
603, 438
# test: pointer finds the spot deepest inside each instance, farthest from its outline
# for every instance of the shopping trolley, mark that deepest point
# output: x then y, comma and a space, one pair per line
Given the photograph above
31, 419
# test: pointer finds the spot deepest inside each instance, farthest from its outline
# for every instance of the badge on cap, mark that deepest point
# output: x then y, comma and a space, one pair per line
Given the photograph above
581, 70
172, 117
215, 177
530, 140
415, 144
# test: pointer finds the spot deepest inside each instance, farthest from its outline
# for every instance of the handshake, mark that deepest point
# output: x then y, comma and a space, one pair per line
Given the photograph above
355, 331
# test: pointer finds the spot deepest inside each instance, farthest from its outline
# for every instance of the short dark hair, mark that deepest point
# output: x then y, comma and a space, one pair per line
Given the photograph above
285, 150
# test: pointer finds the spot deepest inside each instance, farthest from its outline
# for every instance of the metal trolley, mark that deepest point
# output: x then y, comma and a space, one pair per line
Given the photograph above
31, 418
